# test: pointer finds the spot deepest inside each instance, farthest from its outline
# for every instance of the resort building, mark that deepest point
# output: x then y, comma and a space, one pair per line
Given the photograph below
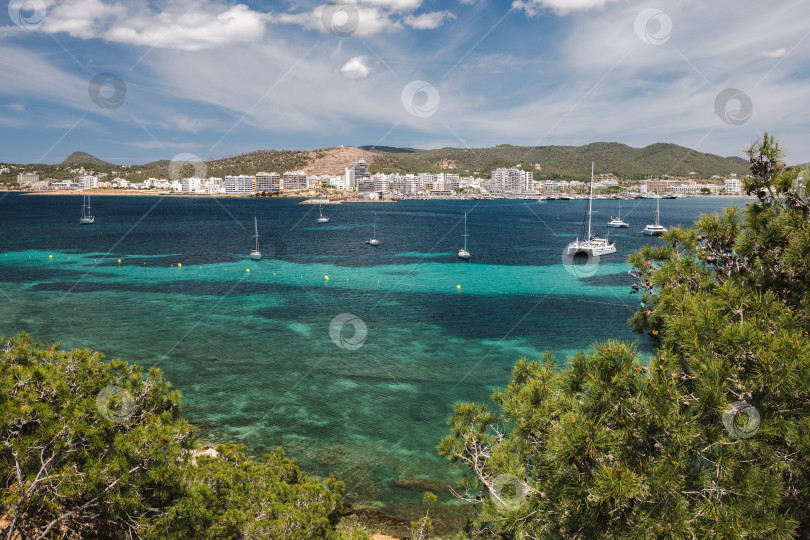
87, 182
26, 179
733, 185
268, 182
512, 180
238, 185
294, 180
193, 185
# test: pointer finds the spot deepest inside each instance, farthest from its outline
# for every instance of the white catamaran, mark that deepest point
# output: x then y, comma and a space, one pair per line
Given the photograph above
86, 218
256, 255
463, 253
593, 246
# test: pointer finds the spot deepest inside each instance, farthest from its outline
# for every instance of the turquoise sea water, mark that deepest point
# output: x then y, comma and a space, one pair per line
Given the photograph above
252, 351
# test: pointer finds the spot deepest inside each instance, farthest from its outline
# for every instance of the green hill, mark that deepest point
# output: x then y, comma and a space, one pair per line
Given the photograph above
566, 162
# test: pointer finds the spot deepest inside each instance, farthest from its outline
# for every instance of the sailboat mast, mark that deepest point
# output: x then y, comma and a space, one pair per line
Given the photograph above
465, 231
590, 205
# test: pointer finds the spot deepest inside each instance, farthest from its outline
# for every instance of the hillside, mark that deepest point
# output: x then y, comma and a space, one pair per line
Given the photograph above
567, 162
555, 162
83, 158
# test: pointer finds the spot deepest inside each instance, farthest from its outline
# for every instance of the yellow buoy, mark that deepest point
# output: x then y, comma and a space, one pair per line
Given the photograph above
179, 265
50, 256
247, 270
326, 278
458, 287
119, 261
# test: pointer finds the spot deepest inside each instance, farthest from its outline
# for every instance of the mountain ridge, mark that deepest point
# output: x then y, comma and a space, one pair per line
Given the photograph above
551, 162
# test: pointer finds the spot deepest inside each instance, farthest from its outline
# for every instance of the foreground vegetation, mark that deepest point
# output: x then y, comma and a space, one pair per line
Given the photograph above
94, 449
711, 439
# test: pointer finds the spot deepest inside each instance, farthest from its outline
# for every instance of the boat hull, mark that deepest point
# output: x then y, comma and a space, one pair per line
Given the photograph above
462, 254
87, 221
256, 256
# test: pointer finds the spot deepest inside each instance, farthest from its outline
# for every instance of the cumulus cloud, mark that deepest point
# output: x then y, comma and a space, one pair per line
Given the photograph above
356, 68
428, 21
182, 24
560, 7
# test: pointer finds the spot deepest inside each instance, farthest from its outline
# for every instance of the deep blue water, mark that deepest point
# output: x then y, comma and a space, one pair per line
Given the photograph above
251, 351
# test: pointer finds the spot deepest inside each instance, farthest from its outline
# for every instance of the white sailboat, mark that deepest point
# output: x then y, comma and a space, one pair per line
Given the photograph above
463, 253
593, 246
374, 241
321, 218
87, 218
656, 229
256, 255
616, 222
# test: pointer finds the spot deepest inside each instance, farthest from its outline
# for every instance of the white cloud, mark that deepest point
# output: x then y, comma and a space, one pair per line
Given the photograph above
776, 53
560, 7
428, 21
356, 68
371, 20
181, 24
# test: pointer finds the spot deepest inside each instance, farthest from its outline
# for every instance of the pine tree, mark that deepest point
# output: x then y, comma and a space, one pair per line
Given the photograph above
711, 439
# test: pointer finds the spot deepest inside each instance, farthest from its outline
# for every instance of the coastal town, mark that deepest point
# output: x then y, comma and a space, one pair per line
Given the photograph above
358, 184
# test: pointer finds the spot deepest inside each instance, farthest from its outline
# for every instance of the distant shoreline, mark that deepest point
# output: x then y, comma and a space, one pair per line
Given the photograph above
143, 193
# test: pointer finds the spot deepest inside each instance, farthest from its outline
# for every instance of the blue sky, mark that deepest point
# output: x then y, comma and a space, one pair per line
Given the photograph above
133, 81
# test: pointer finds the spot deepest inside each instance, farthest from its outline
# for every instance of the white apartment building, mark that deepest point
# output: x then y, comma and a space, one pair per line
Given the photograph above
87, 182
193, 185
512, 180
268, 182
733, 185
238, 185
